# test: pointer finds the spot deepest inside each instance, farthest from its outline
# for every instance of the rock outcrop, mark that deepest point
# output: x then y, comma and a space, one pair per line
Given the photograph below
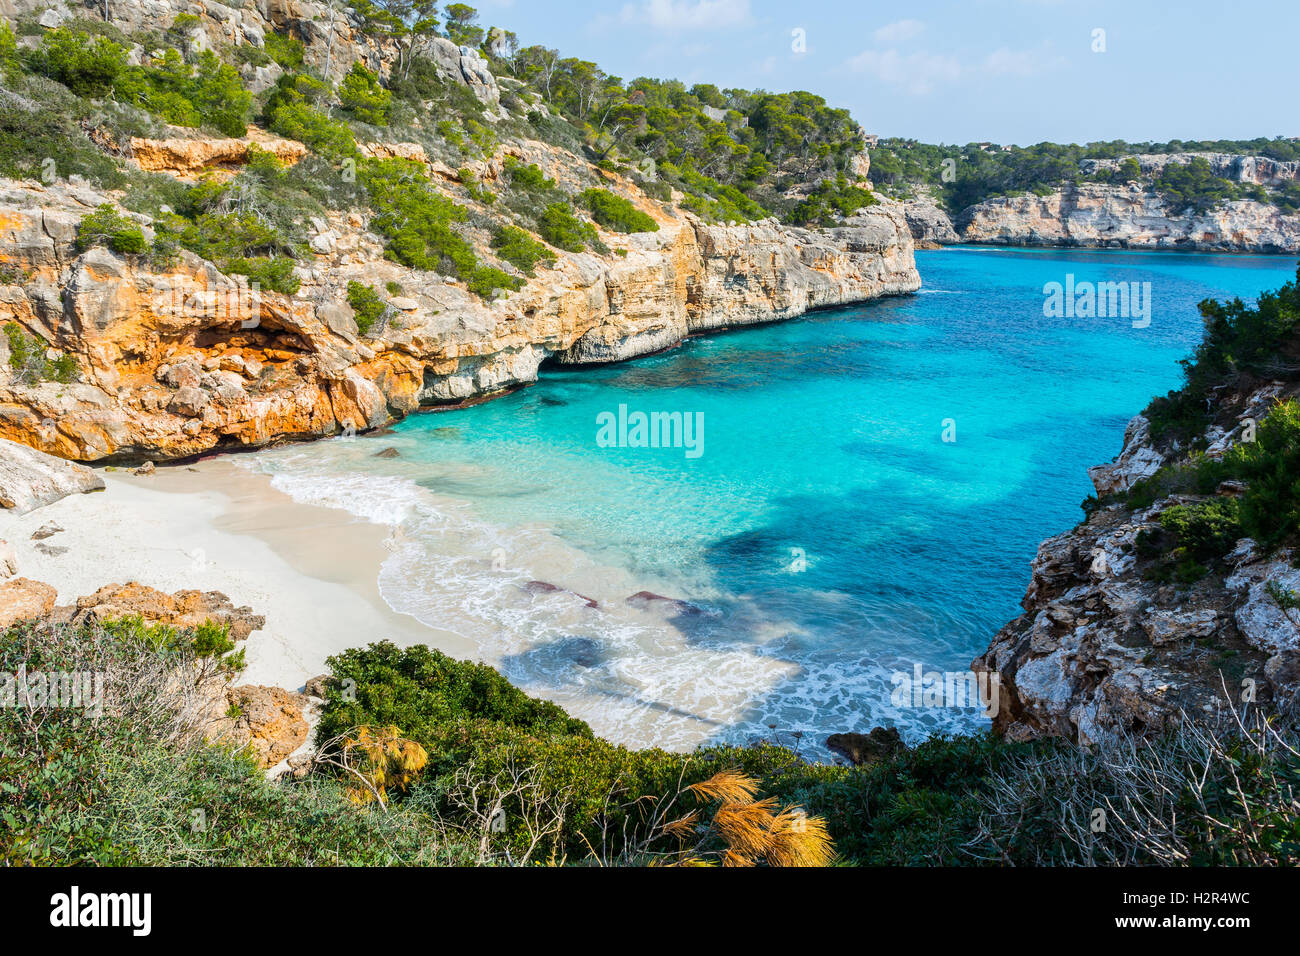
30, 479
269, 721
1106, 648
181, 609
190, 158
929, 224
23, 599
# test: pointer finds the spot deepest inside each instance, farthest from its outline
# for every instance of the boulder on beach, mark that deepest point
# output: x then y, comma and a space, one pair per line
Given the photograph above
30, 479
23, 599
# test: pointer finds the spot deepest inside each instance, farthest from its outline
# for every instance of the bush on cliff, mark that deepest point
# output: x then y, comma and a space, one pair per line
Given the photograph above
29, 362
1241, 343
1270, 465
367, 306
108, 227
362, 95
87, 65
615, 212
517, 247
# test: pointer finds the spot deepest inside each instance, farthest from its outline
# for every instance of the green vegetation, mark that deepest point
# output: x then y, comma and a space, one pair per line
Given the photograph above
420, 752
831, 200
616, 213
29, 363
294, 109
1241, 344
367, 305
562, 229
1190, 537
106, 226
416, 220
362, 95
520, 249
962, 176
205, 92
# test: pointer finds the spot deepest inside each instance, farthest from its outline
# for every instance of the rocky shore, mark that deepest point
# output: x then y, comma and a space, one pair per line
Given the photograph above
1105, 649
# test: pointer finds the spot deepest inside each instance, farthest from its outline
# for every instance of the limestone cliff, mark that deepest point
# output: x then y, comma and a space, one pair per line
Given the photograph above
1131, 217
1105, 648
178, 362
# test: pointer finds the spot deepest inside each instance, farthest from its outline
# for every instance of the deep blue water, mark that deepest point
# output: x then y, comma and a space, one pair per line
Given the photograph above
827, 530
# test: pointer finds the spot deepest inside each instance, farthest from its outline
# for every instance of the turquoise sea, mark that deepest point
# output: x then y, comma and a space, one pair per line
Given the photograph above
826, 536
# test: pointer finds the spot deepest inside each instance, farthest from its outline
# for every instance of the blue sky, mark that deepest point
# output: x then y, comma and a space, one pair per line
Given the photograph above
958, 71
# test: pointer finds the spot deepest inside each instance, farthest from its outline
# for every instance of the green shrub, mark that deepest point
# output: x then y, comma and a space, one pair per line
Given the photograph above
562, 229
416, 222
829, 201
422, 691
1196, 535
616, 213
527, 176
367, 305
106, 226
285, 50
29, 363
520, 249
292, 110
362, 95
87, 65
1239, 340
1270, 465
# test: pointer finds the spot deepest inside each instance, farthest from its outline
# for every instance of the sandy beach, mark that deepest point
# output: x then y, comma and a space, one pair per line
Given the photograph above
215, 526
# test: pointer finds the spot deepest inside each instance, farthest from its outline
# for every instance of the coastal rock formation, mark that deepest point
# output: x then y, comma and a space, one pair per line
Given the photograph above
1106, 648
269, 721
23, 599
1133, 217
30, 479
182, 609
175, 363
189, 158
929, 224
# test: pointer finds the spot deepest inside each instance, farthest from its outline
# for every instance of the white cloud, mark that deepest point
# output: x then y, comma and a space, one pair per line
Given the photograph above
1021, 63
917, 73
898, 32
675, 15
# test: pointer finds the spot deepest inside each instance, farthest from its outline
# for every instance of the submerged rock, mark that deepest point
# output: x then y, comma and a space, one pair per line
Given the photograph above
649, 599
860, 749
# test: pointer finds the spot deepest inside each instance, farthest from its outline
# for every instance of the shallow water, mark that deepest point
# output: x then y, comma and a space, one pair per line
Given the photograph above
827, 532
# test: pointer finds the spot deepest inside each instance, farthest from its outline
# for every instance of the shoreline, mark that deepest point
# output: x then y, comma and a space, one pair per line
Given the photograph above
312, 571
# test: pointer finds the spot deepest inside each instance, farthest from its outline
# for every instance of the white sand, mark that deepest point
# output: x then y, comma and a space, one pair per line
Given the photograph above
214, 526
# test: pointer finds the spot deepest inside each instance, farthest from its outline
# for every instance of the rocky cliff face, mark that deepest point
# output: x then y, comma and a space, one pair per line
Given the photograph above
331, 38
184, 361
1132, 217
1102, 649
